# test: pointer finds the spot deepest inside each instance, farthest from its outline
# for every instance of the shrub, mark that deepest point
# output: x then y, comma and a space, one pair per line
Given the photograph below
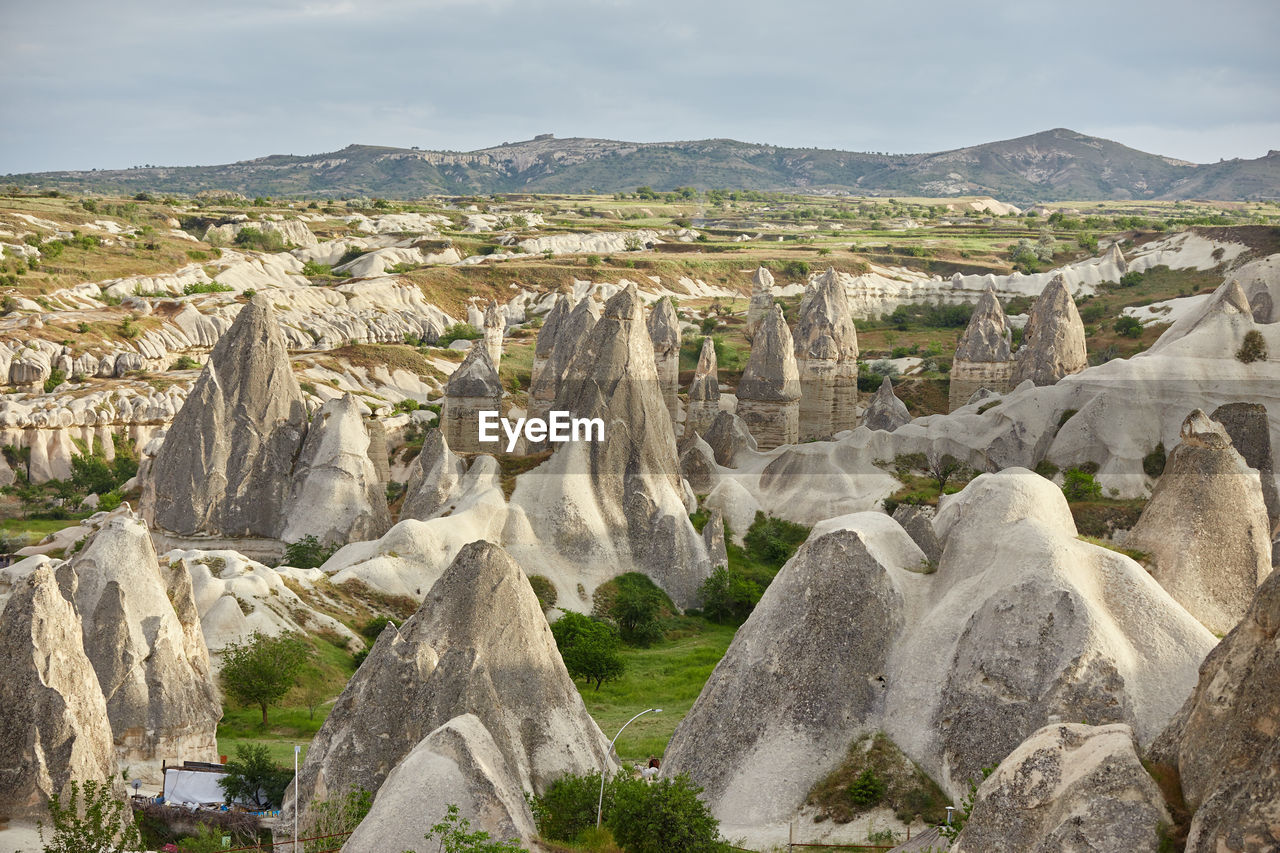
109, 501
256, 238
329, 817
1130, 327
544, 589
307, 553
589, 648
1253, 348
458, 332
664, 816
773, 540
349, 255
454, 835
1046, 469
185, 362
373, 628
636, 609
1078, 485
313, 269
1153, 462
89, 817
868, 789
567, 809
206, 287
1131, 279
56, 378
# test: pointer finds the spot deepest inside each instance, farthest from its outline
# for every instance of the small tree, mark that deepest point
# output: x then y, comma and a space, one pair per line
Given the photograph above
589, 648
252, 777
1080, 485
944, 468
263, 669
1130, 327
307, 553
453, 835
90, 819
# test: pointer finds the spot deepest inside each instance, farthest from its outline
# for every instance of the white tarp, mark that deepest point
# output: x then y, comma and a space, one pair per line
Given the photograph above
198, 787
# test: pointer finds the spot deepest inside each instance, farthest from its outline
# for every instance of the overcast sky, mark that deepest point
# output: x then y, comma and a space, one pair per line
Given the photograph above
170, 82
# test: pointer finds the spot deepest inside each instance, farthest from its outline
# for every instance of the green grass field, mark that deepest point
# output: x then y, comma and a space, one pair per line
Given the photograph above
668, 675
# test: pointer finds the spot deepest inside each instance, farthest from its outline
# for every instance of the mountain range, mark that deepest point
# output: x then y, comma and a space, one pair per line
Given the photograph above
1054, 165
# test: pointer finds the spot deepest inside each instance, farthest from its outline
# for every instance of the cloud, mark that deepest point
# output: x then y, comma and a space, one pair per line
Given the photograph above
147, 81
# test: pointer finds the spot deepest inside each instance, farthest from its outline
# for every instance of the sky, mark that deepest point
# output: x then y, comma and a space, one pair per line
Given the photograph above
171, 82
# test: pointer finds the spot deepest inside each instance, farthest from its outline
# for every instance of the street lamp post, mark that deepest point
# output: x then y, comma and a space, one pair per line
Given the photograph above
600, 802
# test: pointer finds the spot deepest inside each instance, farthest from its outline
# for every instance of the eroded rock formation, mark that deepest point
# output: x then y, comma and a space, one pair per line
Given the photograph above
664, 331
885, 411
54, 727
704, 391
769, 393
984, 356
761, 303
142, 636
598, 508
826, 349
337, 494
1067, 787
226, 467
473, 388
478, 645
1223, 742
1206, 527
1053, 344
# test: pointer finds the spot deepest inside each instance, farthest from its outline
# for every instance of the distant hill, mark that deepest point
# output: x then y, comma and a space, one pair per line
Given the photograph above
1051, 166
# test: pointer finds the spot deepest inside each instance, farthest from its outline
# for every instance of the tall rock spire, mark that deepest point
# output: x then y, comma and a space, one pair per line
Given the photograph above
1053, 344
984, 357
704, 391
826, 349
226, 467
769, 393
761, 300
664, 331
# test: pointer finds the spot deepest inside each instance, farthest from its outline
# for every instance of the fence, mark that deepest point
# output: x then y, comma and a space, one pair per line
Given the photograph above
333, 843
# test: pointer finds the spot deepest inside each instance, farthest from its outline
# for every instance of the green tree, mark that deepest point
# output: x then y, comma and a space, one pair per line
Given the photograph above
589, 648
868, 789
1080, 485
92, 473
663, 817
1130, 327
89, 818
729, 597
453, 835
636, 608
252, 777
307, 553
263, 669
